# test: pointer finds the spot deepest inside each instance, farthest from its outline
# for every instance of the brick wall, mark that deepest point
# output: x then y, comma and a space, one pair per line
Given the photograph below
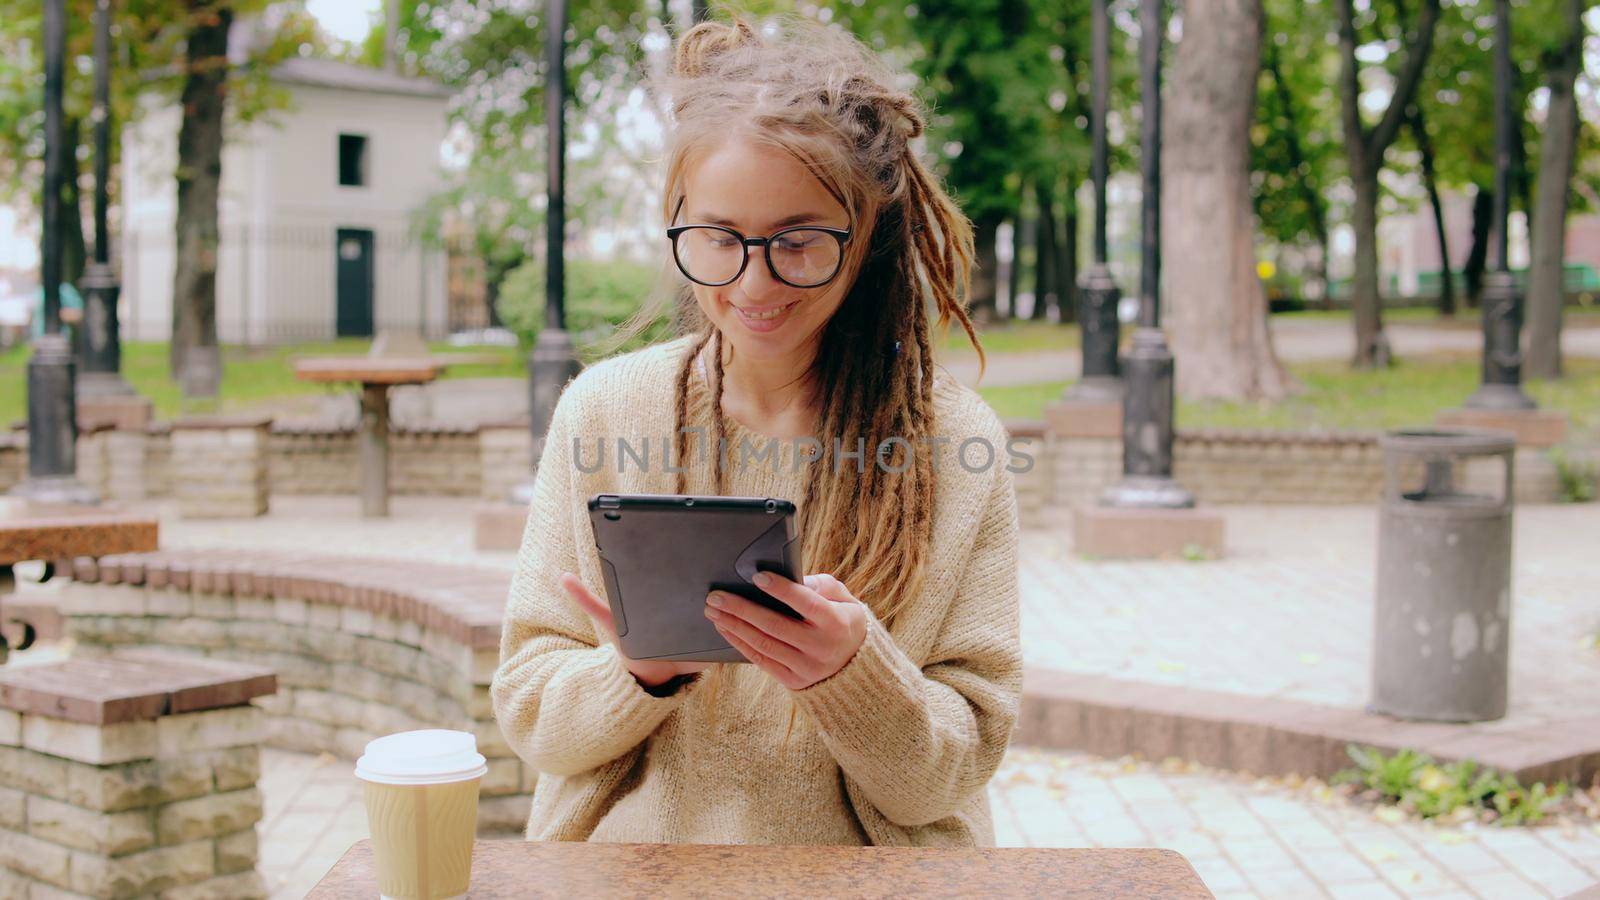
345, 674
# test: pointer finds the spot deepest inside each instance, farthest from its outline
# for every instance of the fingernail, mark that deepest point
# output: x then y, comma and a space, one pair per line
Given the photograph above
762, 579
717, 601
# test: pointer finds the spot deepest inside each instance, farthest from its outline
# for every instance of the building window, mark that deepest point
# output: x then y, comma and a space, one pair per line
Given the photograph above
353, 159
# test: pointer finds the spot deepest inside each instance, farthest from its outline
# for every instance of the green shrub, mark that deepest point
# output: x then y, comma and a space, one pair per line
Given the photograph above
599, 297
1418, 784
1575, 477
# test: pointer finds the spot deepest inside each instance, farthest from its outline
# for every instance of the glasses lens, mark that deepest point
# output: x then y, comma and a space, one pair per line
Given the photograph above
804, 257
709, 254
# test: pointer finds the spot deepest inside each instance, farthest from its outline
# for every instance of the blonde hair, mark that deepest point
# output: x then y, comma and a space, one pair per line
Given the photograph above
817, 93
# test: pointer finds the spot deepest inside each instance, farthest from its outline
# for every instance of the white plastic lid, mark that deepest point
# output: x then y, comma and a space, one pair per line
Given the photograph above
427, 756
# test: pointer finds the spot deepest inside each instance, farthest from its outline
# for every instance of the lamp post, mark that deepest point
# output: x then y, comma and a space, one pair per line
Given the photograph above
552, 363
52, 406
102, 345
1097, 303
1500, 387
1147, 405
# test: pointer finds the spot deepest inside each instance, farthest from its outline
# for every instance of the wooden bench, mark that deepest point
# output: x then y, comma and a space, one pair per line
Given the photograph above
129, 776
362, 647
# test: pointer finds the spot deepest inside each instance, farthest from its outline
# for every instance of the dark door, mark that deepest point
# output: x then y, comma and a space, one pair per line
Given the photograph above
354, 253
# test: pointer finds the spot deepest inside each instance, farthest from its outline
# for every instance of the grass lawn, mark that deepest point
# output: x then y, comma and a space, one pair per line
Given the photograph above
1336, 398
1010, 337
251, 376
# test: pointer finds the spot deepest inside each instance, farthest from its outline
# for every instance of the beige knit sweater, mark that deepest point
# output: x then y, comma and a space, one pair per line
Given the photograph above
896, 748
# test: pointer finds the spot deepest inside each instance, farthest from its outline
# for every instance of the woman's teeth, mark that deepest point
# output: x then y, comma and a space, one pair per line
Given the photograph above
769, 314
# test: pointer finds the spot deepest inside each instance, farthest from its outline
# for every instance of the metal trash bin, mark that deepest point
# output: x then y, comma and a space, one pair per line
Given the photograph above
1442, 612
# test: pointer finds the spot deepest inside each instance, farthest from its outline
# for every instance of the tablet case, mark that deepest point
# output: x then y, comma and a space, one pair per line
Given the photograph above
661, 554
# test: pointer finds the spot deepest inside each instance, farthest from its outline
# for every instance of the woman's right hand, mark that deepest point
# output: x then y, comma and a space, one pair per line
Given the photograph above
649, 672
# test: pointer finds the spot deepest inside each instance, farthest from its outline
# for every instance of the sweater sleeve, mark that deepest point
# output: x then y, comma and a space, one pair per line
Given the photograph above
921, 740
565, 702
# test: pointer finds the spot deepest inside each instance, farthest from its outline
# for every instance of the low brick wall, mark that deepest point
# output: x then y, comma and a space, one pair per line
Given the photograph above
312, 459
221, 466
1219, 466
126, 778
361, 647
1223, 467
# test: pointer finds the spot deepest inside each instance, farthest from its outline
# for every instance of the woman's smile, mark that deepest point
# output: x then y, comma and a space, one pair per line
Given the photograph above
764, 318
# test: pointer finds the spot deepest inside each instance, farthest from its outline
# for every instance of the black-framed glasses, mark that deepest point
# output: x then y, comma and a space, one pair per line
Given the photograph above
803, 256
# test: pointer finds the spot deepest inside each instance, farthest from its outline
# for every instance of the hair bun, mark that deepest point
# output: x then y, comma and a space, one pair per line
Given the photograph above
706, 41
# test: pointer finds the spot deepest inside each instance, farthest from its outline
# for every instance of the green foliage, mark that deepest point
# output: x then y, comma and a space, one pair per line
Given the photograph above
1296, 152
147, 55
1576, 478
1415, 782
599, 297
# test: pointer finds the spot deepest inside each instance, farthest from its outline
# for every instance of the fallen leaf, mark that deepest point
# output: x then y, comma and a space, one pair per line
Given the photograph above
1379, 853
1311, 659
1455, 837
1167, 665
1391, 814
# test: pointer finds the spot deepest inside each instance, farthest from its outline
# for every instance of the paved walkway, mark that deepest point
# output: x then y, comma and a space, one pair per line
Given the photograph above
1286, 614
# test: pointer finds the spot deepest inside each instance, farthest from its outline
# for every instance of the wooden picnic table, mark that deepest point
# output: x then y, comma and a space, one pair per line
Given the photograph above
517, 868
30, 530
376, 375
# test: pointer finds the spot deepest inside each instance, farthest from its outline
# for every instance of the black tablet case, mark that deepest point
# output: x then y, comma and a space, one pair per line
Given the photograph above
661, 554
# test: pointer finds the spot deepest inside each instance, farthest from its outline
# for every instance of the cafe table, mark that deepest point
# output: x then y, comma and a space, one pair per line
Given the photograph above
517, 868
376, 375
30, 530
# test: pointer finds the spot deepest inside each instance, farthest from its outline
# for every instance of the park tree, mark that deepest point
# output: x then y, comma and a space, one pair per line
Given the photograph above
1218, 306
1548, 220
493, 57
1365, 147
166, 48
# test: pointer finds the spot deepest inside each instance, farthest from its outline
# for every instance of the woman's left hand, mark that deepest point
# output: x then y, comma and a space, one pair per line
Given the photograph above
797, 653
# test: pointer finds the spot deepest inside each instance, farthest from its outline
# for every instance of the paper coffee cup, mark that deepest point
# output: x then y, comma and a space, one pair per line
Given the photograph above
421, 793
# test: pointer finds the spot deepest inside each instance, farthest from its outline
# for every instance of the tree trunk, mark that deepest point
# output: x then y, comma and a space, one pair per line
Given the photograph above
194, 362
1372, 345
1478, 255
984, 282
1557, 152
1218, 308
1046, 257
1067, 267
1447, 282
1364, 151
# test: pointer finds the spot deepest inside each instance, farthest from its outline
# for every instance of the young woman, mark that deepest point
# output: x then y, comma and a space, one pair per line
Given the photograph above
882, 716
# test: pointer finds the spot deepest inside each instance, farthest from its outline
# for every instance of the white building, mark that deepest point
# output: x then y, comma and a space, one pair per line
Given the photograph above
316, 211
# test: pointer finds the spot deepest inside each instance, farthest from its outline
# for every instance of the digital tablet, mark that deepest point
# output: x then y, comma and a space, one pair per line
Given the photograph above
661, 554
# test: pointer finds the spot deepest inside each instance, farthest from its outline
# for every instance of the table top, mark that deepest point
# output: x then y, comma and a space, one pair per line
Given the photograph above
516, 868
50, 531
369, 369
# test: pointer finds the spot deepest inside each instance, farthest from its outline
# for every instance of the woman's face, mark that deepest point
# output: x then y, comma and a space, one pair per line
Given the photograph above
758, 190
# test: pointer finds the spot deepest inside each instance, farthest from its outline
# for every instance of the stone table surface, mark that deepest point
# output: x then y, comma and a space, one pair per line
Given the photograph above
139, 685
369, 369
514, 868
48, 531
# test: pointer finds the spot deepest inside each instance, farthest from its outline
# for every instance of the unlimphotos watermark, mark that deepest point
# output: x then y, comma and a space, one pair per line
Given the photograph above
892, 454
